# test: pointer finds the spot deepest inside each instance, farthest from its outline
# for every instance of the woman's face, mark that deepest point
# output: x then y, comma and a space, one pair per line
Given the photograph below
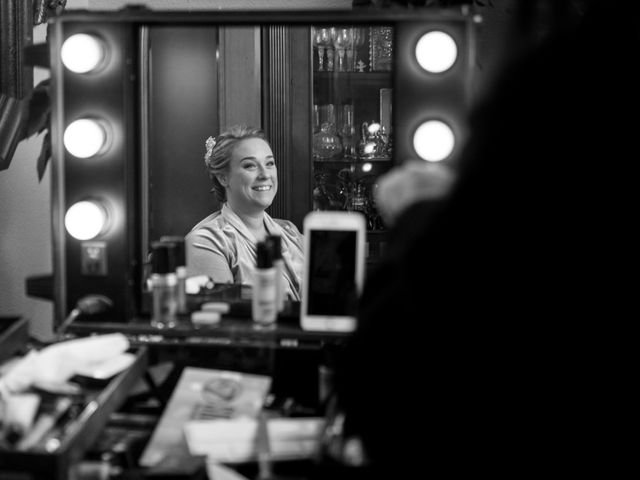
251, 181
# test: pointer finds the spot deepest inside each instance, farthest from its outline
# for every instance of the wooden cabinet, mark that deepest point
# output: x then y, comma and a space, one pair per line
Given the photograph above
329, 121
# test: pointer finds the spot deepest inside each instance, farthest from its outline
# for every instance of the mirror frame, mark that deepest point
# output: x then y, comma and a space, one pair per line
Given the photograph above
290, 139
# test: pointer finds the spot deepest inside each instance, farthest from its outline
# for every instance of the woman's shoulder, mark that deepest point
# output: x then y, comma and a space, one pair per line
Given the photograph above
215, 221
215, 225
209, 221
288, 226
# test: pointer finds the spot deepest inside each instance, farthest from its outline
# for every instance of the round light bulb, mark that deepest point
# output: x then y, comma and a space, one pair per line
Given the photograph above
85, 220
436, 51
82, 53
433, 141
84, 138
366, 167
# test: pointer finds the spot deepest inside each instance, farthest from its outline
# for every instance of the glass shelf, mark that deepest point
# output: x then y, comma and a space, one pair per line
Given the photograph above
354, 77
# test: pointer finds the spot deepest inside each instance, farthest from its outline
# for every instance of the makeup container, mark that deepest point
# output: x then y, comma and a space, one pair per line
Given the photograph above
164, 285
275, 244
181, 270
264, 293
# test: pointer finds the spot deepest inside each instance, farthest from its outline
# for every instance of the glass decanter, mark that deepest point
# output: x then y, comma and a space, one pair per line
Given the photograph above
326, 143
348, 131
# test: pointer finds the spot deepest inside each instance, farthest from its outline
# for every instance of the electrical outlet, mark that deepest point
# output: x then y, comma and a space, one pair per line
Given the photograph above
93, 258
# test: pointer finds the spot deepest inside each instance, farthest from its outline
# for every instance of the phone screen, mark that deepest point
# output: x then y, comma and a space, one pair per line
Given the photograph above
332, 273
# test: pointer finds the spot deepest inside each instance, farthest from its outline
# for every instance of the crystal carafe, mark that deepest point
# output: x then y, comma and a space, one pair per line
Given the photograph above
326, 143
348, 131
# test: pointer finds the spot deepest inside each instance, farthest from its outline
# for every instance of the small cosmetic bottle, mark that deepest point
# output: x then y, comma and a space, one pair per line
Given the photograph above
181, 270
164, 284
275, 244
263, 300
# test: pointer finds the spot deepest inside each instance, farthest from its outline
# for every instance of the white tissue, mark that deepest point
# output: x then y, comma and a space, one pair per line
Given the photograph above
61, 361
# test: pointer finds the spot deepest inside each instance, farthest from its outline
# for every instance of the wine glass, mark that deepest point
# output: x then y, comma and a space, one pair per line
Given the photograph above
323, 41
342, 41
330, 50
351, 49
358, 40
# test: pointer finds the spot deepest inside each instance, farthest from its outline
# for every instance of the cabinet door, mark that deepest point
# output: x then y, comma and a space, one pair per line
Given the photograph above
351, 120
327, 101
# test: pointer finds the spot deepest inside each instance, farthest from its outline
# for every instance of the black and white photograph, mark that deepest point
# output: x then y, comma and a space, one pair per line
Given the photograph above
316, 239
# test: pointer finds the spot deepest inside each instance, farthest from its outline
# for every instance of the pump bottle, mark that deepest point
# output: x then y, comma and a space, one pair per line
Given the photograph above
263, 300
275, 244
181, 270
164, 284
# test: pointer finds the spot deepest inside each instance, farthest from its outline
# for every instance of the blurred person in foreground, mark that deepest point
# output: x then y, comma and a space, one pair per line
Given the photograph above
476, 352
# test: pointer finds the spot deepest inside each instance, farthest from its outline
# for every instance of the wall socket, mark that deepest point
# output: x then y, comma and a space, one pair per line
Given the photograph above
93, 258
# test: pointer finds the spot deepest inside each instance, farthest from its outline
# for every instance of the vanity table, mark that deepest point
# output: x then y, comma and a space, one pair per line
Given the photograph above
293, 356
297, 362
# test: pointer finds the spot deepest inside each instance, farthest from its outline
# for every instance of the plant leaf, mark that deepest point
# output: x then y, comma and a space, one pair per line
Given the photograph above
39, 109
45, 155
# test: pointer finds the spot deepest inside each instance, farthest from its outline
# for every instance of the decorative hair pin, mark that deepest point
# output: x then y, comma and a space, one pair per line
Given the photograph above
210, 143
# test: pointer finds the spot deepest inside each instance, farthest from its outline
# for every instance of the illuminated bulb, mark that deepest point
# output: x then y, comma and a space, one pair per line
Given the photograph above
366, 167
84, 138
85, 220
436, 51
433, 141
82, 53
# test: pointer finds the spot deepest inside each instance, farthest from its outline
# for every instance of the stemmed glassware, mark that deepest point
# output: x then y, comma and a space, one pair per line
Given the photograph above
322, 41
358, 40
331, 33
343, 42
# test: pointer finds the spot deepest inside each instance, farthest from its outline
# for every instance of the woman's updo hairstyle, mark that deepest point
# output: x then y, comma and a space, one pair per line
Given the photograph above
219, 150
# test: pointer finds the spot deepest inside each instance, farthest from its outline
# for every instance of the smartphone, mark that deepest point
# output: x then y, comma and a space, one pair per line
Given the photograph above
334, 248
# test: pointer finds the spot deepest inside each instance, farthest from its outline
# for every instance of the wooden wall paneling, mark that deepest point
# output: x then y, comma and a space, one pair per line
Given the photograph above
287, 116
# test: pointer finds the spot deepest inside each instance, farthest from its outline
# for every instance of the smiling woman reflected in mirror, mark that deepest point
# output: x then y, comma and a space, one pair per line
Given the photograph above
244, 175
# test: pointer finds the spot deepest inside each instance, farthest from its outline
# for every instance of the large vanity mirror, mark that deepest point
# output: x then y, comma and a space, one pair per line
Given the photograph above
162, 82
